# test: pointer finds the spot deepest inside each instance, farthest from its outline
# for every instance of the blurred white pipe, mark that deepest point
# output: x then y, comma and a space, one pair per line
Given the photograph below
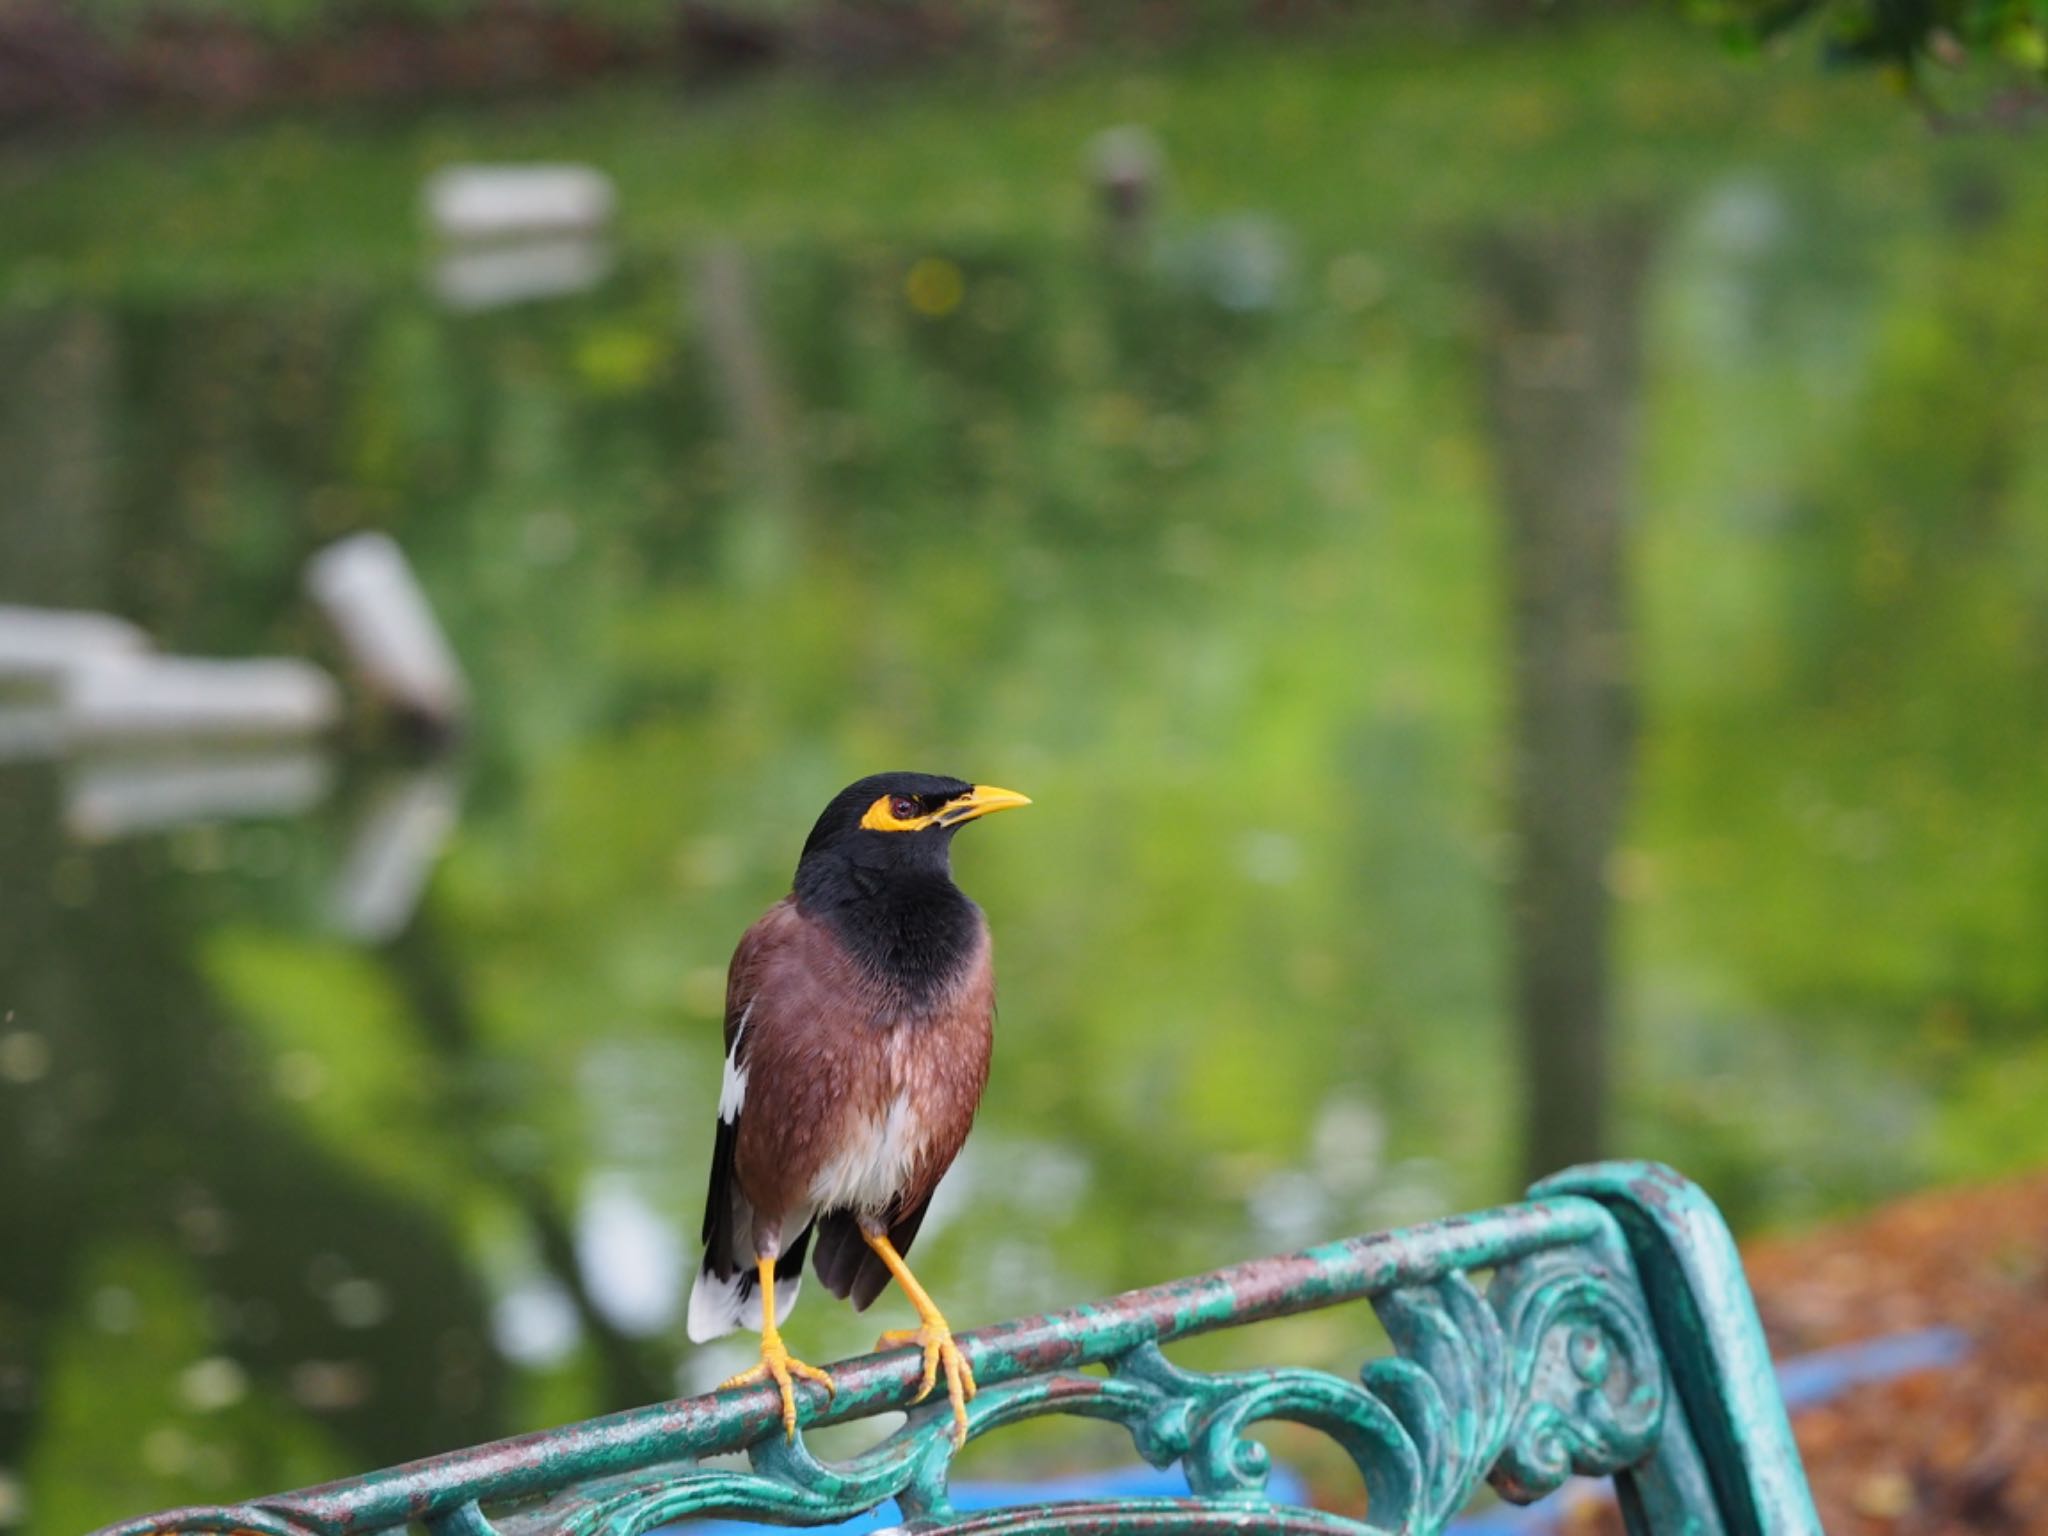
396, 845
111, 797
155, 698
494, 276
395, 645
486, 202
42, 644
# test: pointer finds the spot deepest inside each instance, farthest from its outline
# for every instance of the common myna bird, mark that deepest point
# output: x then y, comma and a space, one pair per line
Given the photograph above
858, 1023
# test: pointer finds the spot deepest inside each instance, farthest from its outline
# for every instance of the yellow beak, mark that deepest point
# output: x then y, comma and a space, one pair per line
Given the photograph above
982, 800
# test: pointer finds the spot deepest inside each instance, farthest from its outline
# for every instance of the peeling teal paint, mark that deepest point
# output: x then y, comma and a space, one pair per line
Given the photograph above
1614, 1338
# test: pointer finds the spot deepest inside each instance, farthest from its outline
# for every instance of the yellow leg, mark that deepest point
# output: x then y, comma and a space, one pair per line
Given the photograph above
777, 1364
934, 1337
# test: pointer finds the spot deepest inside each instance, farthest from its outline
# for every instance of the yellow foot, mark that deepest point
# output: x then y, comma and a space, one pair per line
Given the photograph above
936, 1340
780, 1366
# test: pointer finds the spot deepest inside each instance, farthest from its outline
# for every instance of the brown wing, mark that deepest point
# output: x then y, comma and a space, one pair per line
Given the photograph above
775, 935
724, 1200
808, 1020
724, 1295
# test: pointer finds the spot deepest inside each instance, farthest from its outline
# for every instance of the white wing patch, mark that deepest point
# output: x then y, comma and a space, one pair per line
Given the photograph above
732, 1090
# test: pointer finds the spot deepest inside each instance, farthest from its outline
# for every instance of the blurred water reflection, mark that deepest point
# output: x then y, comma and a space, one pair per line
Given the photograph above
332, 1146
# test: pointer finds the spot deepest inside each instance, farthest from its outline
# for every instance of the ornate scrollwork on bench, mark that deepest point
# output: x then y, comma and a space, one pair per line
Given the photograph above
1554, 1367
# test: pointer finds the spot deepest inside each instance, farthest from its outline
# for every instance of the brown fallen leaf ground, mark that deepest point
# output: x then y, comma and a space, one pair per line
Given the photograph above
1955, 1452
1964, 1449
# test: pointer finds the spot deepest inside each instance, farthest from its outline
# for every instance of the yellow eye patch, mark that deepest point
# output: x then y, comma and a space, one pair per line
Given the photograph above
981, 800
882, 817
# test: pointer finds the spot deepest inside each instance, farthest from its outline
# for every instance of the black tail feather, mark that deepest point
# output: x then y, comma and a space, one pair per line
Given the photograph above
791, 1261
847, 1267
840, 1251
721, 1253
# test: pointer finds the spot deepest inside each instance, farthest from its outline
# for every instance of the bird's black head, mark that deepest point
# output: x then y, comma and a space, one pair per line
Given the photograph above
894, 821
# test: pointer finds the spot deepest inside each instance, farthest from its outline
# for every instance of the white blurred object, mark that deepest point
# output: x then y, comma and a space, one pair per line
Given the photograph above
493, 276
142, 698
396, 845
1243, 262
630, 1257
45, 643
1744, 216
396, 646
486, 202
1127, 166
535, 1322
106, 798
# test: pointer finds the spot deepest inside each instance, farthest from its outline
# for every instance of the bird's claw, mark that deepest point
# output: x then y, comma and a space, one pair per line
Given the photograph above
935, 1338
781, 1367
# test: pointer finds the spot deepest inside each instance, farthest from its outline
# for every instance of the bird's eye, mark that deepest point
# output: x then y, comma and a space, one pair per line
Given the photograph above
903, 808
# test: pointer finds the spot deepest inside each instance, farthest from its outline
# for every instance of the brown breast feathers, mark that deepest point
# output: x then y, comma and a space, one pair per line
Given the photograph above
854, 1099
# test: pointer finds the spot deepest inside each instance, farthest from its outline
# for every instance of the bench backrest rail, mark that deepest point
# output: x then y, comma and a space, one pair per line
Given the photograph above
1601, 1328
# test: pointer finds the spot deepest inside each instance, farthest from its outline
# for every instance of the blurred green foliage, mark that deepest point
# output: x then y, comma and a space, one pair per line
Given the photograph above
1915, 39
1422, 138
1217, 585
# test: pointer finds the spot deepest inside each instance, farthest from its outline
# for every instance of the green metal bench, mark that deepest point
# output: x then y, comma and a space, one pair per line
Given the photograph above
1614, 1337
